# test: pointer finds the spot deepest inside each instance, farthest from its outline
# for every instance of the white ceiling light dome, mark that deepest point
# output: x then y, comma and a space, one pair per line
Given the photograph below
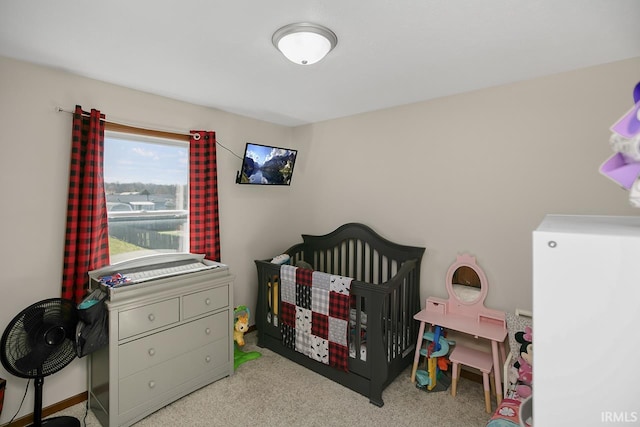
304, 43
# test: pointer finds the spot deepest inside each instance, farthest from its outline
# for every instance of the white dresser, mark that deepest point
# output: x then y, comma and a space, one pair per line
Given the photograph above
167, 338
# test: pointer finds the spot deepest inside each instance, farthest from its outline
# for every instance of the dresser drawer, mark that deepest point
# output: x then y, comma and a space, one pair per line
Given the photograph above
202, 302
151, 350
148, 317
151, 383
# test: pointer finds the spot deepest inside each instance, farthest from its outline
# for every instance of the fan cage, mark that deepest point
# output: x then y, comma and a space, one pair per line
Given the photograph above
40, 340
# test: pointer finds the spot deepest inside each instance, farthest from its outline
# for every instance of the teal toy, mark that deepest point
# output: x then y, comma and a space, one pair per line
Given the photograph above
240, 326
433, 379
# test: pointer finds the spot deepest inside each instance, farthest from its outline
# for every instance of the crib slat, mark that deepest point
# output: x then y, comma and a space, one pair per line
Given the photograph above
361, 262
394, 322
331, 256
406, 295
371, 276
347, 256
358, 343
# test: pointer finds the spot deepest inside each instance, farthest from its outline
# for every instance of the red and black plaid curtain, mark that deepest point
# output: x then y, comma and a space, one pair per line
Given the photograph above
87, 233
204, 224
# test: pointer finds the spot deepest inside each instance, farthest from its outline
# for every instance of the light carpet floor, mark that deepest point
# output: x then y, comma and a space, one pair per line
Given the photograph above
273, 391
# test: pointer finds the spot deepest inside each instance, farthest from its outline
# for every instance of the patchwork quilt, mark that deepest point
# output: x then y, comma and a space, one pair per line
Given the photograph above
314, 317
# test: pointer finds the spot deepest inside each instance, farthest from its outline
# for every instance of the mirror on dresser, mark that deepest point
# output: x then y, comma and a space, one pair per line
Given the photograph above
466, 282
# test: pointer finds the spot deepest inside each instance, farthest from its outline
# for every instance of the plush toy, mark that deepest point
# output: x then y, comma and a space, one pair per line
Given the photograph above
523, 364
240, 326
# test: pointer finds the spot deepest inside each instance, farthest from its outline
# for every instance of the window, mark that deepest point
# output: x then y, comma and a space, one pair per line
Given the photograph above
146, 176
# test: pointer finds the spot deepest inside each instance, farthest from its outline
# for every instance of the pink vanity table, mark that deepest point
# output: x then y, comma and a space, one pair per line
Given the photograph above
465, 312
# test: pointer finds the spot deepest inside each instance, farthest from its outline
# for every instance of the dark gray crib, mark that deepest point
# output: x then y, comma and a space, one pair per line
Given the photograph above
385, 291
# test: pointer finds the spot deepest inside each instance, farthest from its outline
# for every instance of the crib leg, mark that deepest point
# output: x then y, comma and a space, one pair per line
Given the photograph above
376, 386
376, 399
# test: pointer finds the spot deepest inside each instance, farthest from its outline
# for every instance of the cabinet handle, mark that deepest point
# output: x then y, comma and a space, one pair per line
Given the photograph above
207, 301
207, 331
552, 244
151, 317
207, 359
152, 352
152, 384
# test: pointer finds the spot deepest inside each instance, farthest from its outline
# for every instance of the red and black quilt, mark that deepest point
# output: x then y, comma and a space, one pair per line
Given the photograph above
314, 317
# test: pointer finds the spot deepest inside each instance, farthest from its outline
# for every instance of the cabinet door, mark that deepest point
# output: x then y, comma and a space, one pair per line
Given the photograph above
586, 291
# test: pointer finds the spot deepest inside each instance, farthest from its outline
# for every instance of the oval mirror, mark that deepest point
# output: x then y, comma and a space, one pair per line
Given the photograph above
466, 282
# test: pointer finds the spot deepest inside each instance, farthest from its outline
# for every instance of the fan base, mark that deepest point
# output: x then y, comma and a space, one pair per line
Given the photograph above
60, 422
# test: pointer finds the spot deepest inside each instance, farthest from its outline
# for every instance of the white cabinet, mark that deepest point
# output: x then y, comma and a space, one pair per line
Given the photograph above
586, 303
167, 338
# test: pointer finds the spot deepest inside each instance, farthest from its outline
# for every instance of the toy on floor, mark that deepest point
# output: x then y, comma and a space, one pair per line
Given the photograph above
240, 326
436, 362
523, 364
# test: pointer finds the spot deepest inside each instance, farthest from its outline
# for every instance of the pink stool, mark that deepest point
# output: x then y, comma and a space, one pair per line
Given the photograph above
478, 359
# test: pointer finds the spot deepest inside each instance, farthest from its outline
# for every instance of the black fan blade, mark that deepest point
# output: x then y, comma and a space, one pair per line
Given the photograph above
33, 360
32, 321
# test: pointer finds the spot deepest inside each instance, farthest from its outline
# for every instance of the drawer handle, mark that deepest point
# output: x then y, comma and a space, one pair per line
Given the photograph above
207, 359
152, 384
207, 331
207, 301
152, 352
151, 317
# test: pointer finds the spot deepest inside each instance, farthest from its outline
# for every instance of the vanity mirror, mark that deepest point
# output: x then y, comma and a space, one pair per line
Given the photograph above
466, 282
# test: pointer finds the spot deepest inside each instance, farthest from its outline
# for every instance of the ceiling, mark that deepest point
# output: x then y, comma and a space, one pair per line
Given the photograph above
218, 53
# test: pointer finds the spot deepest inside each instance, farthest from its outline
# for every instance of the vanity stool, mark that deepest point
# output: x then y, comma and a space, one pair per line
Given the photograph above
473, 358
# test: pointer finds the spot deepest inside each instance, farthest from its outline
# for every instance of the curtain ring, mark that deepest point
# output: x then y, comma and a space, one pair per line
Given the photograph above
196, 136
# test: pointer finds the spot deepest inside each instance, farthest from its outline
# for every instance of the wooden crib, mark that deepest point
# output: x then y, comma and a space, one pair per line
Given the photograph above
385, 294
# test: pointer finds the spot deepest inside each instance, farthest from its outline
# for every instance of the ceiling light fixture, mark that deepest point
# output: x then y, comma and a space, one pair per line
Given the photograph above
304, 43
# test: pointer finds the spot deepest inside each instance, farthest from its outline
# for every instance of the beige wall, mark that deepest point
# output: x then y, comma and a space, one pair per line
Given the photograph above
471, 173
474, 172
35, 145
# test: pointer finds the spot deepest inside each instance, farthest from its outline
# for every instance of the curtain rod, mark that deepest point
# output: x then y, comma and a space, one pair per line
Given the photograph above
121, 123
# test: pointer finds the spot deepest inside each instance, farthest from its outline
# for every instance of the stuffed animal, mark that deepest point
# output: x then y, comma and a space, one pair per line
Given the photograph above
523, 364
240, 326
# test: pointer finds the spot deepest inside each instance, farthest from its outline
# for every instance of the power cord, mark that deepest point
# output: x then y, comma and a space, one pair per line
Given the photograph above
86, 412
220, 144
26, 389
20, 407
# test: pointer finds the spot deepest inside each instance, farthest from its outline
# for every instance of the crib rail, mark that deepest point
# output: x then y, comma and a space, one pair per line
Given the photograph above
355, 250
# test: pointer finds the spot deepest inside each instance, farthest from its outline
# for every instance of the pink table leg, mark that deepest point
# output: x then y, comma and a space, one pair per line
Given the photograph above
416, 357
496, 370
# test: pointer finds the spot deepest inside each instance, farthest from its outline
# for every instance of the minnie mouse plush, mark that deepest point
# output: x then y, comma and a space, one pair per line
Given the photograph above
523, 364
